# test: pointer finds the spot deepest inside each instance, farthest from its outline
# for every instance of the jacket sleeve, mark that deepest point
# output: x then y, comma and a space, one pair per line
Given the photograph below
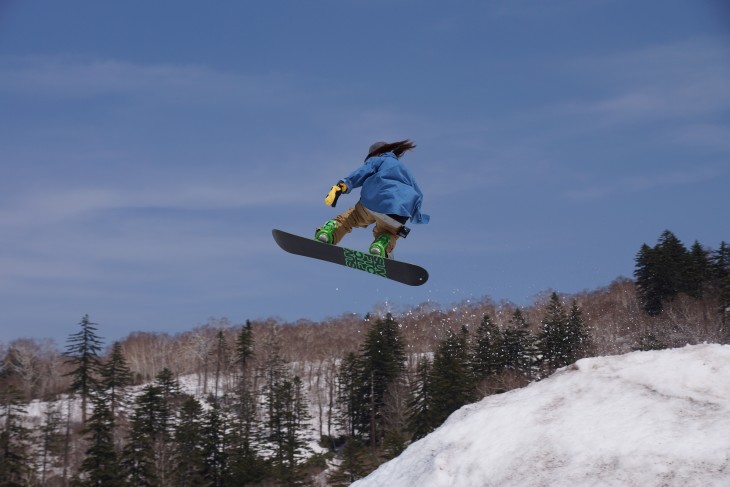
359, 175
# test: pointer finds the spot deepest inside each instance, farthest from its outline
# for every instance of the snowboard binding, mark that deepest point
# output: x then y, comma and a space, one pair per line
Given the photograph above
326, 234
380, 245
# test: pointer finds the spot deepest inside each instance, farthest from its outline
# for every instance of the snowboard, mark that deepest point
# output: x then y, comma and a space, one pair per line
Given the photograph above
395, 270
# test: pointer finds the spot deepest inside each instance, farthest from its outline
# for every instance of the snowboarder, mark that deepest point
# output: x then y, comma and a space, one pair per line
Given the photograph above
389, 198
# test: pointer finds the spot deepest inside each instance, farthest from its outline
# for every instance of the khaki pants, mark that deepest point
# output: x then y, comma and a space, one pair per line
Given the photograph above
360, 217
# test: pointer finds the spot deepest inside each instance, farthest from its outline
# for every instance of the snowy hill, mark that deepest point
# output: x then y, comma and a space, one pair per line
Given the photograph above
643, 419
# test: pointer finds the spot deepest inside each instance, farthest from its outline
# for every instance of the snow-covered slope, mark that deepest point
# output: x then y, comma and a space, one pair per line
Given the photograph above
643, 419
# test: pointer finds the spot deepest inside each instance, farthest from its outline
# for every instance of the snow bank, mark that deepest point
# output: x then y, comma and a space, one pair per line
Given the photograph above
658, 418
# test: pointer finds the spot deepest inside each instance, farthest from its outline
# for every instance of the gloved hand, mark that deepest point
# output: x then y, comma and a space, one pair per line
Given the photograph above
334, 194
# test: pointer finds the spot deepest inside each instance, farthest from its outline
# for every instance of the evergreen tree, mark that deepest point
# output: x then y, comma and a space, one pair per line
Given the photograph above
146, 437
646, 277
244, 348
83, 356
221, 360
356, 464
488, 355
245, 466
720, 265
674, 263
383, 358
576, 336
286, 414
518, 320
187, 455
51, 440
171, 397
350, 393
215, 458
663, 272
451, 381
420, 420
274, 368
285, 428
395, 418
16, 469
554, 342
520, 351
698, 272
101, 467
116, 377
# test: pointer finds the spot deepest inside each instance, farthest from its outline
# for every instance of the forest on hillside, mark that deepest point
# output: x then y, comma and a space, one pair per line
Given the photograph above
321, 403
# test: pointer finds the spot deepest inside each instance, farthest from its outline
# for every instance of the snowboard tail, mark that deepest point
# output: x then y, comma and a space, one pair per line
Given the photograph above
395, 270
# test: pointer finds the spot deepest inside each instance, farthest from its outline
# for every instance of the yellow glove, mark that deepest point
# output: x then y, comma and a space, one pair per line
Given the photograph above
334, 194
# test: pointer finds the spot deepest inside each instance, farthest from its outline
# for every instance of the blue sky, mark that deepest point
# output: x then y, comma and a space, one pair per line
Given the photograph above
148, 149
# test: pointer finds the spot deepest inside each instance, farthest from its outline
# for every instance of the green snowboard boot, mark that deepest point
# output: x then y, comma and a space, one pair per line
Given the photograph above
380, 245
326, 234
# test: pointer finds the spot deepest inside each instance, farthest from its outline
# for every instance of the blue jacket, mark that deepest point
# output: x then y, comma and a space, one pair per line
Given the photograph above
388, 187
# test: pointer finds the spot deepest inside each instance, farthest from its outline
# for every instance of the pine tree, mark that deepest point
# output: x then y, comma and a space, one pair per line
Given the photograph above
286, 414
674, 263
146, 438
420, 420
350, 393
647, 278
221, 360
383, 358
451, 381
245, 466
187, 454
519, 346
488, 354
116, 377
720, 268
395, 418
51, 440
698, 271
244, 348
286, 427
101, 467
577, 338
215, 458
356, 464
171, 397
553, 341
15, 463
169, 401
83, 356
667, 270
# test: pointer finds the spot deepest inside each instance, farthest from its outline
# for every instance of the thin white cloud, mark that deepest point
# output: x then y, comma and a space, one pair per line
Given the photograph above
674, 80
540, 9
672, 179
89, 236
189, 84
46, 207
642, 183
712, 136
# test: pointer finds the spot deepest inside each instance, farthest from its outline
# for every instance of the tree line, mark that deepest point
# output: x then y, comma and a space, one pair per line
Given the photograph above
256, 396
668, 269
251, 431
254, 427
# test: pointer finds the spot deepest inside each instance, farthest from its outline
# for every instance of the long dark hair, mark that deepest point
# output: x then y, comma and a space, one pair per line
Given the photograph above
397, 148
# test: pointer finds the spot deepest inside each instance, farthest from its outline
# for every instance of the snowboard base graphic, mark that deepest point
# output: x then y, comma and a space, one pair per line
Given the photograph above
395, 270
